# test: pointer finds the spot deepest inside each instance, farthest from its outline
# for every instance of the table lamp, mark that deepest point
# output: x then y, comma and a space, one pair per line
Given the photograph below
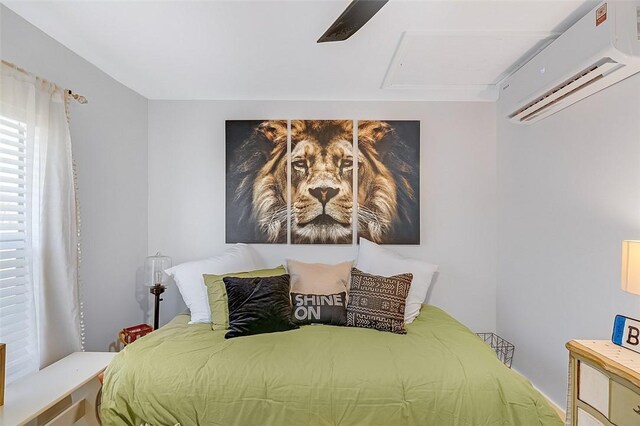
631, 266
156, 279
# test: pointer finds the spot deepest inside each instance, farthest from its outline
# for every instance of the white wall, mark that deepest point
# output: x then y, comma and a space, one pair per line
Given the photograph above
569, 193
109, 136
458, 181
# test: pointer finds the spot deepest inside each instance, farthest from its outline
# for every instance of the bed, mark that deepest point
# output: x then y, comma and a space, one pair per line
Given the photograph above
439, 373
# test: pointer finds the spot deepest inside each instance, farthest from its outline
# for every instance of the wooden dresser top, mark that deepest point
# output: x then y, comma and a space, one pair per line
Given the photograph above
610, 357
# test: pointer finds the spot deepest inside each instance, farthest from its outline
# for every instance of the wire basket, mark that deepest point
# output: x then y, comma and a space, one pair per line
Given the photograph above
504, 350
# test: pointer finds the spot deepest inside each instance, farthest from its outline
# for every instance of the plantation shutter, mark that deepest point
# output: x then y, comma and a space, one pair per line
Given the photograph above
17, 300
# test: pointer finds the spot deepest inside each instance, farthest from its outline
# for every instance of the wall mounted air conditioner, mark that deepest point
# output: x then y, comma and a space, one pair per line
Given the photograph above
599, 50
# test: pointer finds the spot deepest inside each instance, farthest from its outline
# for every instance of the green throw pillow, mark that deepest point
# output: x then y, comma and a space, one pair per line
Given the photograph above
217, 293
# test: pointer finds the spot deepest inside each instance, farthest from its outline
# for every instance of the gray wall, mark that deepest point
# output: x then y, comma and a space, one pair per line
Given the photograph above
458, 184
568, 194
109, 136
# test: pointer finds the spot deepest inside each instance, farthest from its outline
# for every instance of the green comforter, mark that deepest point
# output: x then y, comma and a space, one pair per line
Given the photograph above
439, 373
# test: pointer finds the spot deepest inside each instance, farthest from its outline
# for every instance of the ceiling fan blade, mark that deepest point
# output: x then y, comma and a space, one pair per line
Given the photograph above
352, 19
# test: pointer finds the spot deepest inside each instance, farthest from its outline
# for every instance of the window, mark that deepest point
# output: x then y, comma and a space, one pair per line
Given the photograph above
17, 302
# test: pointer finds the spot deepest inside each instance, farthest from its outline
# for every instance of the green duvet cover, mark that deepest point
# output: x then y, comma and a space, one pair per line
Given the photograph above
439, 374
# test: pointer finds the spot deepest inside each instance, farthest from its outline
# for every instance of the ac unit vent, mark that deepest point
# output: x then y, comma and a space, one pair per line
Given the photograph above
565, 89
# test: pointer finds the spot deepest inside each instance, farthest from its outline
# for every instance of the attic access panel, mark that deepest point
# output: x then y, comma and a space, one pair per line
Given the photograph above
480, 59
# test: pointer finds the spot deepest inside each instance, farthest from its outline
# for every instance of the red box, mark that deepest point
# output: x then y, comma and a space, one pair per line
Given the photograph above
131, 334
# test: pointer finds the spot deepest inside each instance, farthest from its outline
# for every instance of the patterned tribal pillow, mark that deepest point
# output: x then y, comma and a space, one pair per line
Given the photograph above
378, 302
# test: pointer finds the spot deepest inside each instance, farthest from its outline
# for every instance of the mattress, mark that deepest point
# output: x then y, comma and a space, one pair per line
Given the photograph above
439, 373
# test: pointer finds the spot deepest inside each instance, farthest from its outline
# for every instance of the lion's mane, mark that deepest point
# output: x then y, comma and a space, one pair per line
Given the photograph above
388, 184
258, 174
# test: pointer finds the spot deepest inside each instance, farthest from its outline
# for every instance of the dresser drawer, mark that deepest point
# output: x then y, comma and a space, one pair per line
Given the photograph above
593, 388
625, 405
586, 419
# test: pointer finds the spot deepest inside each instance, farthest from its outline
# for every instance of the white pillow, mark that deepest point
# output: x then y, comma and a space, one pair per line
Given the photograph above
377, 260
188, 278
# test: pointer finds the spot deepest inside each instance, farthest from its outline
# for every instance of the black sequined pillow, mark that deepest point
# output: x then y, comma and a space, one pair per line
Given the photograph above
378, 302
319, 308
258, 305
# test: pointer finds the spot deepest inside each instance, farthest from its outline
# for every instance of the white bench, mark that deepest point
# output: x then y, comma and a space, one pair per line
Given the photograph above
61, 394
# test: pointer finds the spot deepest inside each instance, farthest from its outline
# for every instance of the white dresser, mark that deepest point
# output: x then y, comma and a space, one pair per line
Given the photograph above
604, 387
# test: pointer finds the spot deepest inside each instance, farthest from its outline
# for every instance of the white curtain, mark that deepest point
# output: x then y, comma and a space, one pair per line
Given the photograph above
51, 229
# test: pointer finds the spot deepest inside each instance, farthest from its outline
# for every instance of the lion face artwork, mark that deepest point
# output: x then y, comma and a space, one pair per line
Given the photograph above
317, 203
321, 181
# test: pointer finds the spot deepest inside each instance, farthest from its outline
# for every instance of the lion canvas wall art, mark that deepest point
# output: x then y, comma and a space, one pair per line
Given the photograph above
256, 184
322, 181
311, 193
389, 181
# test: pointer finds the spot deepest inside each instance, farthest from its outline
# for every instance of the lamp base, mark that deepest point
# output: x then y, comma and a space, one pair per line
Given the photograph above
157, 290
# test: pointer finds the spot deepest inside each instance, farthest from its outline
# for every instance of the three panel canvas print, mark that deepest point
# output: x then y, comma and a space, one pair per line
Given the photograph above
299, 178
